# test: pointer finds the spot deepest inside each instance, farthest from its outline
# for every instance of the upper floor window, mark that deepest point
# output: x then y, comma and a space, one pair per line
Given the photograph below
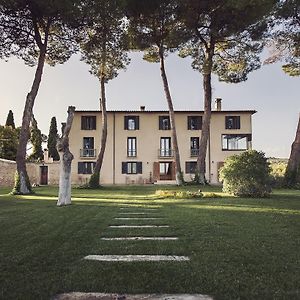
88, 122
194, 122
131, 146
194, 146
164, 123
232, 122
131, 123
235, 141
88, 147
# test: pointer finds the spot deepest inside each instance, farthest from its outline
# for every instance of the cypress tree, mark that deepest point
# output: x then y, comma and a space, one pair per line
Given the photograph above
36, 141
10, 119
52, 140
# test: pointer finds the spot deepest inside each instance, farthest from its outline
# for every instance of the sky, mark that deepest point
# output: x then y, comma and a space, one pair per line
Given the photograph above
273, 94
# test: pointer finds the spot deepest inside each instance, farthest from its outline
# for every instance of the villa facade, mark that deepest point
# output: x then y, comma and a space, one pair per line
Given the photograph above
139, 144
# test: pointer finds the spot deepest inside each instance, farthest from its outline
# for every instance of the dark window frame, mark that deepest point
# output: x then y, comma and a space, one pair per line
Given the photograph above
194, 122
88, 122
131, 152
232, 122
247, 136
136, 120
138, 167
164, 123
86, 167
190, 167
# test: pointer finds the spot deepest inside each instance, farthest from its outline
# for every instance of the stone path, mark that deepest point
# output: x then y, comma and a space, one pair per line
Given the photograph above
127, 215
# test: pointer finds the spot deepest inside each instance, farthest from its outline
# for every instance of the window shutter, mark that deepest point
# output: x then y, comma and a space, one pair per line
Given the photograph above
160, 121
125, 122
82, 122
156, 171
189, 121
238, 122
200, 122
94, 123
187, 167
137, 122
124, 167
139, 167
80, 168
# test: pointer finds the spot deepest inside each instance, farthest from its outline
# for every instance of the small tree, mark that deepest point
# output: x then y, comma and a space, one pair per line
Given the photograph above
246, 174
10, 120
52, 140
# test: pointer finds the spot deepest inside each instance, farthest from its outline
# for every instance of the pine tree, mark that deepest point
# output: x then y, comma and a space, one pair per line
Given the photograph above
10, 120
52, 140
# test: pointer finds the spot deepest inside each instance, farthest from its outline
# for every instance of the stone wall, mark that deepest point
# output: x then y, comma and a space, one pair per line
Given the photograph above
8, 169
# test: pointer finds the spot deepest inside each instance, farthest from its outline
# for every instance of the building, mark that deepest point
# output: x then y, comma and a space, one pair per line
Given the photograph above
139, 144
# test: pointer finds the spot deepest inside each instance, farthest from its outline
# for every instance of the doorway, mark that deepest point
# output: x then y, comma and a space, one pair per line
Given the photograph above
44, 175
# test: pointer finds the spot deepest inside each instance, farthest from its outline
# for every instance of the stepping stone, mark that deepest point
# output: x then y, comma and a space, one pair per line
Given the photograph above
141, 238
139, 226
132, 258
137, 218
102, 296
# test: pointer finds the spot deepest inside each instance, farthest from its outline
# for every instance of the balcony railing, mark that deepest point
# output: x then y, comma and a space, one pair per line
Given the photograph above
165, 153
194, 152
131, 153
87, 152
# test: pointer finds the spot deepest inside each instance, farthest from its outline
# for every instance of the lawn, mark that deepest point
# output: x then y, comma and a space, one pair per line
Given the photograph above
239, 248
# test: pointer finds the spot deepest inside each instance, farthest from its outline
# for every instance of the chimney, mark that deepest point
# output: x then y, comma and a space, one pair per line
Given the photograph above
46, 155
218, 104
142, 108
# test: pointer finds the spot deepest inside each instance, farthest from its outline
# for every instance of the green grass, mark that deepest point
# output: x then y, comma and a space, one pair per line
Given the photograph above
239, 248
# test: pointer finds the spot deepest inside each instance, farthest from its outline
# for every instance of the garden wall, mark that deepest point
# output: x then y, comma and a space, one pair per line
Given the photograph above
8, 169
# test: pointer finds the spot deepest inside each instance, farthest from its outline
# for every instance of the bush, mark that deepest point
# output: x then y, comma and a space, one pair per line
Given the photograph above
278, 168
247, 174
178, 194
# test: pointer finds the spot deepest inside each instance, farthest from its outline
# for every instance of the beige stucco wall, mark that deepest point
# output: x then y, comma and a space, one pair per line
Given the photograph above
148, 142
8, 169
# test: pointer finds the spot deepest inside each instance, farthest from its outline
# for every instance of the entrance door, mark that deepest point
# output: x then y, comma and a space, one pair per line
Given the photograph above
44, 175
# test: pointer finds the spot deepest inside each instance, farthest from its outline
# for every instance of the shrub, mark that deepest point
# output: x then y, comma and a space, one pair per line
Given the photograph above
178, 194
247, 174
278, 168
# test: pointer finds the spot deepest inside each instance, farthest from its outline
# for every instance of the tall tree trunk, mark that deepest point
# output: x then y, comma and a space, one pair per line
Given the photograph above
66, 157
22, 183
292, 174
207, 68
94, 180
179, 177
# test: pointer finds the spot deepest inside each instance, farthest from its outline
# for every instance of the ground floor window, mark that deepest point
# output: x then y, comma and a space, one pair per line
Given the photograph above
132, 167
165, 168
190, 167
86, 167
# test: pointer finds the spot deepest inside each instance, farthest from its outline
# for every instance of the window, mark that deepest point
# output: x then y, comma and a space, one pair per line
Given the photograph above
132, 167
190, 167
165, 168
232, 122
194, 122
131, 122
131, 147
164, 123
235, 141
88, 147
194, 146
165, 147
88, 122
86, 167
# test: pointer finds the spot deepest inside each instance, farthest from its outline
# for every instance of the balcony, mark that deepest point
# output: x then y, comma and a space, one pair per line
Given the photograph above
194, 152
165, 153
131, 153
87, 152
